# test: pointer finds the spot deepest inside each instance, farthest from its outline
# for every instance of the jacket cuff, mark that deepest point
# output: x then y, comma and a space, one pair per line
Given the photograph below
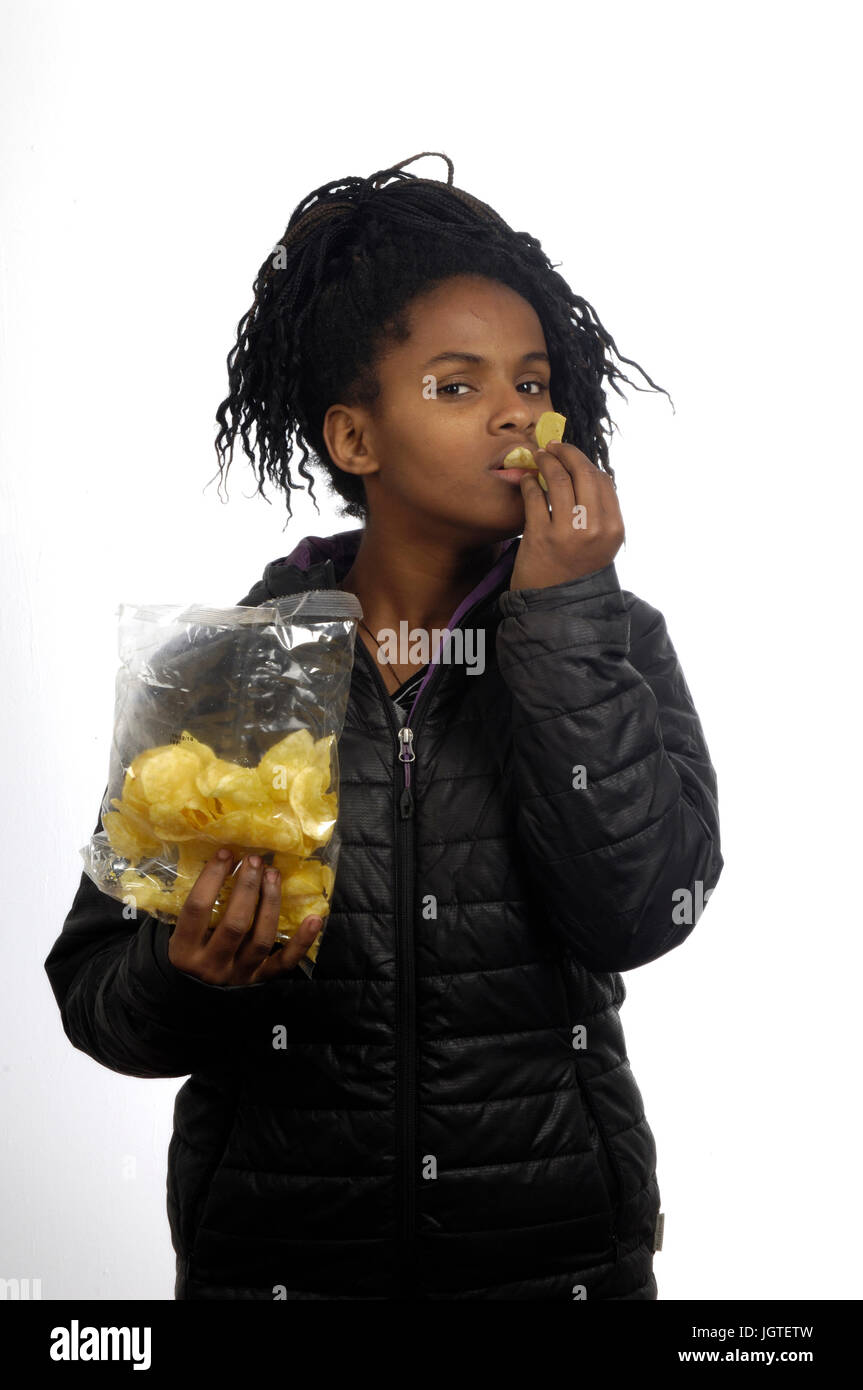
158, 979
599, 584
590, 611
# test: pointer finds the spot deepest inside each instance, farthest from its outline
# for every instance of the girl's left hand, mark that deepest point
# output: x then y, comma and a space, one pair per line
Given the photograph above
581, 533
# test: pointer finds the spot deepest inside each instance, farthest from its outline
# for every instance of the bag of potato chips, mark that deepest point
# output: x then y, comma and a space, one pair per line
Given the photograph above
226, 729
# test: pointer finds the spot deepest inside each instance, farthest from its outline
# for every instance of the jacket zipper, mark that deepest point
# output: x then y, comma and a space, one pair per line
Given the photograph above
405, 990
406, 973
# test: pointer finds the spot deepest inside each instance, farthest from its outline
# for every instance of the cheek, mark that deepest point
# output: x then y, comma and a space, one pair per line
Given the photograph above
431, 473
452, 483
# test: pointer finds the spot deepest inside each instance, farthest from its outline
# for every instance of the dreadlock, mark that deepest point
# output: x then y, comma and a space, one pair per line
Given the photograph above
336, 289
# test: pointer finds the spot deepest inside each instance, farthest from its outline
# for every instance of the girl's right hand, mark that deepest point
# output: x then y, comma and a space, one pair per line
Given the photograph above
236, 951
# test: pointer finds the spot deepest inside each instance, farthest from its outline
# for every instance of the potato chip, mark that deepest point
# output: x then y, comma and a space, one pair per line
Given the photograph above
192, 857
295, 910
312, 951
234, 786
134, 802
297, 751
549, 426
523, 458
307, 878
161, 785
231, 829
520, 458
134, 882
168, 774
280, 831
316, 809
180, 801
202, 751
149, 895
127, 840
287, 864
171, 825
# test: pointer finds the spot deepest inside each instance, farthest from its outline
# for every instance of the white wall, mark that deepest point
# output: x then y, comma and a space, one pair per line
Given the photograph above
691, 167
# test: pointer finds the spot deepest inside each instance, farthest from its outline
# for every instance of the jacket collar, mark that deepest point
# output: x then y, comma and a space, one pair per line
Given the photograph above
320, 562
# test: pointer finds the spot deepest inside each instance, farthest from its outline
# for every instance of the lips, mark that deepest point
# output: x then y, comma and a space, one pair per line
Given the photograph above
524, 462
498, 463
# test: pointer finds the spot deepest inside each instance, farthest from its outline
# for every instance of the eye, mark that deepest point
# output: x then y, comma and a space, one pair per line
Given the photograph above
454, 385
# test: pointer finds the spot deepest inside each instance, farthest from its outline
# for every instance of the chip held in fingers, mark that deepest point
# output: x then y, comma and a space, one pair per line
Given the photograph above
549, 426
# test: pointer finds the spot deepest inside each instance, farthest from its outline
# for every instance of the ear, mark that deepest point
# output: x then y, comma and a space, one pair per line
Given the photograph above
348, 436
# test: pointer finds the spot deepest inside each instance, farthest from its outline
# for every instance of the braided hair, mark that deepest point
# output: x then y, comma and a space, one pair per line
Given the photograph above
336, 289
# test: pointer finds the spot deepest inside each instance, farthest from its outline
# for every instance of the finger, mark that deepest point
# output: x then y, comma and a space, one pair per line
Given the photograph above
590, 486
236, 920
289, 955
195, 920
258, 942
536, 512
561, 487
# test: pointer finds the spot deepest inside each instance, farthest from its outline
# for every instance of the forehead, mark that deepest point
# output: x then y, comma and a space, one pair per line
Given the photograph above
474, 315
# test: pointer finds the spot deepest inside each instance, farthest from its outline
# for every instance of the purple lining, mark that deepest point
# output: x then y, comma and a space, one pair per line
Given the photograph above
338, 548
343, 547
484, 587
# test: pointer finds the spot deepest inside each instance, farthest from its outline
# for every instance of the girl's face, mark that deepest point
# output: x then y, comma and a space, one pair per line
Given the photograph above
469, 384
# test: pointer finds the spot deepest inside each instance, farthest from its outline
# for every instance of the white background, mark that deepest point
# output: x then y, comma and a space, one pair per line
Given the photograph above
692, 168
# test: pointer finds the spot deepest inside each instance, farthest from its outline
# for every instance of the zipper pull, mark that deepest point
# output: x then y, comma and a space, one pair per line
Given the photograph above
406, 756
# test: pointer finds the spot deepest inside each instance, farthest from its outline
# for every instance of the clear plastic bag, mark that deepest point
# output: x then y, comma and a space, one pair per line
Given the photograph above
226, 729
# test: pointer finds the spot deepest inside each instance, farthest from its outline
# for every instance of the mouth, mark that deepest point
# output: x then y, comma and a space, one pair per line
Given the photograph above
513, 473
504, 453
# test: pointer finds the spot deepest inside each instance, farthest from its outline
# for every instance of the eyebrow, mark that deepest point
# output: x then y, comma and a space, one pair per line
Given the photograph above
479, 361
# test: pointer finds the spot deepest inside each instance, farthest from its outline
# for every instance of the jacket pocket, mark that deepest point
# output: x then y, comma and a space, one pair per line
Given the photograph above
601, 1149
196, 1209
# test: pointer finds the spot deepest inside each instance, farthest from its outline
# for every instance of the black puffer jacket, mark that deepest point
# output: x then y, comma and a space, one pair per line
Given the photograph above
454, 1114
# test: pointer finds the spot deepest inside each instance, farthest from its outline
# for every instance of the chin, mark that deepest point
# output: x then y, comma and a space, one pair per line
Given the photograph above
490, 528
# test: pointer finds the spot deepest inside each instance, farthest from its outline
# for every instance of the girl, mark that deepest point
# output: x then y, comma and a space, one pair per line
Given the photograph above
453, 1114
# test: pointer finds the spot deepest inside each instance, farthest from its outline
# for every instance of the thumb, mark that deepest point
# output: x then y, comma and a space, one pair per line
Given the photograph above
292, 952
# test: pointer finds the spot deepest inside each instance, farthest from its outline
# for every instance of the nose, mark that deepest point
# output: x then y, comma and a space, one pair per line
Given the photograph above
515, 412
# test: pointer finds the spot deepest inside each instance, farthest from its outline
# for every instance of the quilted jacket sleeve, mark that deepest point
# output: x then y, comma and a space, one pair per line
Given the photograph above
623, 854
127, 1006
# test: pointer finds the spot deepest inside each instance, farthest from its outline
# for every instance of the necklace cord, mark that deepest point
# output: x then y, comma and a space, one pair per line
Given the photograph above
391, 664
